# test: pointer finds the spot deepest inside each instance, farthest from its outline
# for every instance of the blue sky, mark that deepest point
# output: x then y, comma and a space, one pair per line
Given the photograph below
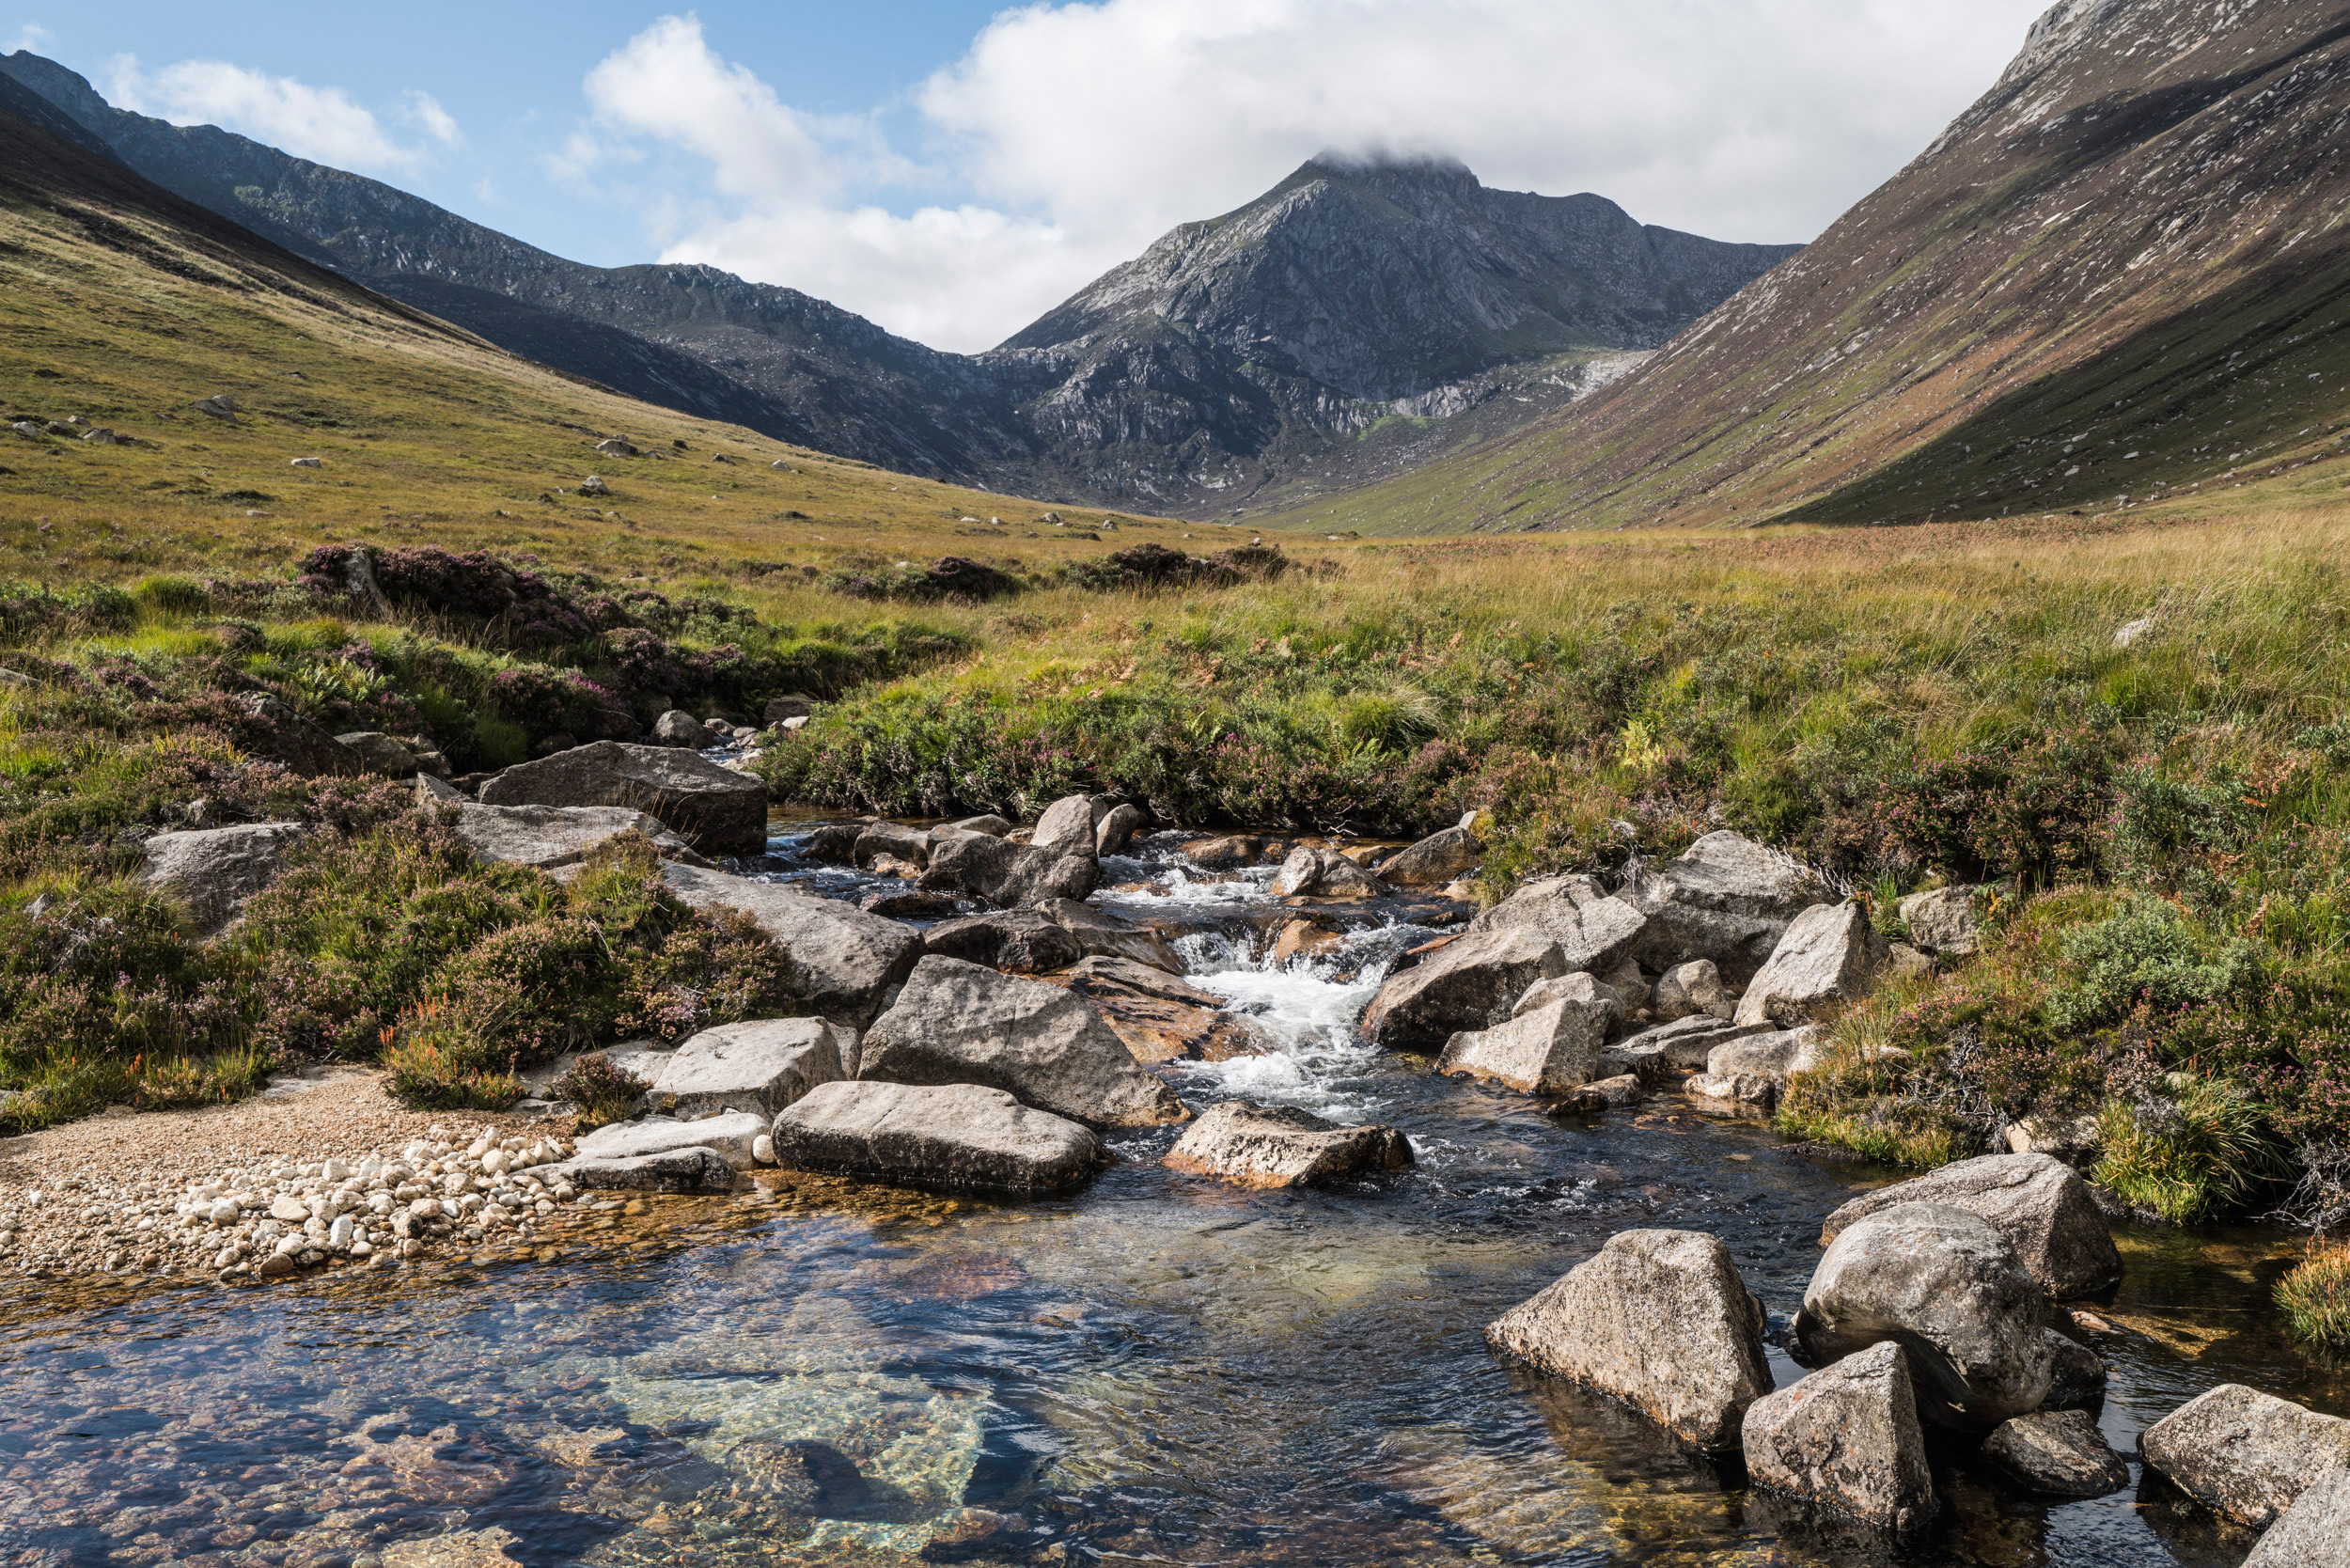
953, 169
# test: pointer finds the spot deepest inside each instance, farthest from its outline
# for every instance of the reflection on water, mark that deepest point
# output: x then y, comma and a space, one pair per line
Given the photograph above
1159, 1369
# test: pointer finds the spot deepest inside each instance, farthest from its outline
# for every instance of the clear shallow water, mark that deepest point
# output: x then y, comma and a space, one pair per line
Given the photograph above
1156, 1370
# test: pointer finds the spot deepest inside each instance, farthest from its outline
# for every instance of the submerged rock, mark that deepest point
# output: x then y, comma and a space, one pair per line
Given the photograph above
1830, 954
1471, 983
958, 1136
1279, 1146
1847, 1438
1659, 1319
760, 1066
2243, 1453
2058, 1452
841, 961
1949, 1290
716, 810
956, 1023
2038, 1203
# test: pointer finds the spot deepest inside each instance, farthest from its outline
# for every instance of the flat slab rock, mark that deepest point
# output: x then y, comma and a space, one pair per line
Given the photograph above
955, 1136
1847, 1438
2058, 1452
1279, 1146
2243, 1453
547, 836
716, 810
1160, 1017
698, 1168
1659, 1319
759, 1067
2037, 1201
730, 1136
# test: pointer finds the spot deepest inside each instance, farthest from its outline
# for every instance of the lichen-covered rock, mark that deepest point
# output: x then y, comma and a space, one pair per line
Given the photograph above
955, 1136
957, 1023
1948, 1288
2243, 1453
1693, 989
215, 871
2058, 1452
1435, 861
1007, 874
2038, 1203
1658, 1319
1279, 1146
1831, 954
1471, 983
1550, 1050
1017, 941
841, 962
1847, 1438
552, 837
1943, 921
1593, 930
2314, 1531
716, 810
761, 1066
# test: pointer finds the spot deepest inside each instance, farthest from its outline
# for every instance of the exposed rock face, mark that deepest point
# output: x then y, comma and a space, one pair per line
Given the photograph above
1118, 829
1549, 1050
1659, 1319
1435, 861
1279, 1146
958, 1136
1323, 873
691, 1170
1594, 930
956, 1023
214, 871
1017, 941
1830, 954
2246, 1454
1691, 990
716, 810
1847, 1438
2309, 1533
287, 737
2037, 1202
1943, 921
1008, 875
379, 753
761, 1066
1160, 1017
549, 837
1951, 1291
1726, 901
729, 1137
1471, 984
1099, 933
842, 960
2058, 1452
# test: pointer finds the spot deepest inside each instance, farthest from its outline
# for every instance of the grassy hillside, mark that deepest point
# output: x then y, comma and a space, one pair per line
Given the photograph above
2133, 245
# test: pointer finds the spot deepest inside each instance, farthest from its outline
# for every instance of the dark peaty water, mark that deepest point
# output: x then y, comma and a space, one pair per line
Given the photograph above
1158, 1370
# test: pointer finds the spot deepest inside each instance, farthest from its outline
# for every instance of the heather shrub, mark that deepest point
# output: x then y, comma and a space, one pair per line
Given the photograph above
437, 1056
604, 1092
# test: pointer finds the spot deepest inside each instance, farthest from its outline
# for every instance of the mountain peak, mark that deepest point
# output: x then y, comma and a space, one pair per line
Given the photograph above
1377, 163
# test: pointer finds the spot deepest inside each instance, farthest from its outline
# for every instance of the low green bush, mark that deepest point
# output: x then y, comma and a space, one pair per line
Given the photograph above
2315, 1297
2189, 1154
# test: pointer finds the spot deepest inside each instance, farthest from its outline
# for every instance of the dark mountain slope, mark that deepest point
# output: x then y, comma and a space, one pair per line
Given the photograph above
2146, 209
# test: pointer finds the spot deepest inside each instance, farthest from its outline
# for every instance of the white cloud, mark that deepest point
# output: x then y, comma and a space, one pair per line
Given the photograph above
32, 36
1077, 133
321, 124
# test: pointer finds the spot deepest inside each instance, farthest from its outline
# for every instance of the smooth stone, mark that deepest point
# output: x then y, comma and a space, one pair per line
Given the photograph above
1311, 872
2058, 1452
1847, 1438
1067, 825
2077, 1378
959, 1136
2038, 1203
1118, 829
731, 1135
2243, 1453
716, 810
842, 961
1658, 1319
760, 1066
1279, 1146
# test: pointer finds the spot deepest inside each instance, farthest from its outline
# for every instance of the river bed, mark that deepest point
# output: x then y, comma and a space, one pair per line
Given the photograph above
1159, 1369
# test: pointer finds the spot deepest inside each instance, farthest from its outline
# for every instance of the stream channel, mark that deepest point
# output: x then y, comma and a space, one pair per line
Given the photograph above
1157, 1369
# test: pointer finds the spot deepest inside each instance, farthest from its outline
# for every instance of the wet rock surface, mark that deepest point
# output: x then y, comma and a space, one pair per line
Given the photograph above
2058, 1452
1847, 1438
2243, 1453
1281, 1146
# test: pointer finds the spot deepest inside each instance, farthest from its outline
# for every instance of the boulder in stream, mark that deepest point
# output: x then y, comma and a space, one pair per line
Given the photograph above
1659, 1053
694, 1168
1311, 872
1594, 930
1471, 983
1067, 825
2037, 1202
2311, 1533
956, 1137
1017, 941
841, 962
760, 1066
1161, 1017
1949, 1288
1099, 934
1549, 1050
1117, 830
1658, 1319
1007, 874
1847, 1438
2058, 1452
1437, 861
2077, 1378
957, 1023
2243, 1453
732, 1137
1279, 1146
1727, 900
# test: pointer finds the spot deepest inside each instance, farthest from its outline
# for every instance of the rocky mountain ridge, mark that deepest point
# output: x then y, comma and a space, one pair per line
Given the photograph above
1357, 320
2121, 273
